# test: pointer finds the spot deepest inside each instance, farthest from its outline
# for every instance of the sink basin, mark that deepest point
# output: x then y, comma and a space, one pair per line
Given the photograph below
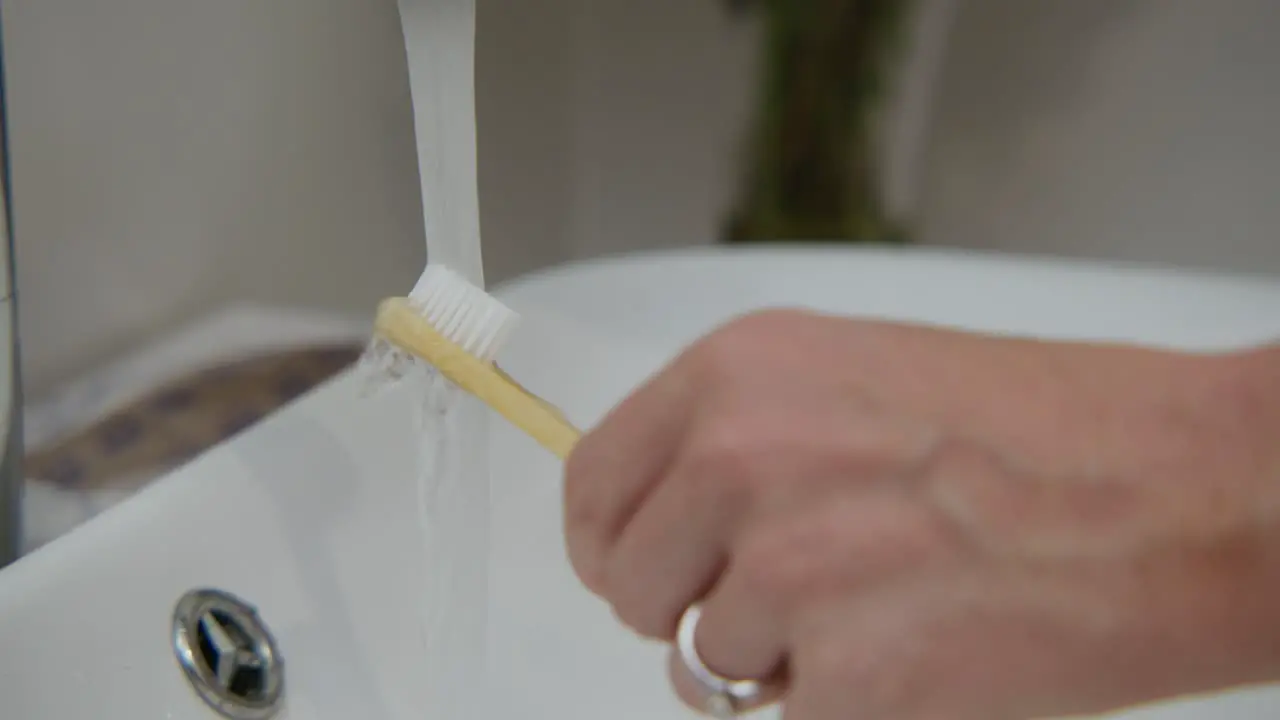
311, 515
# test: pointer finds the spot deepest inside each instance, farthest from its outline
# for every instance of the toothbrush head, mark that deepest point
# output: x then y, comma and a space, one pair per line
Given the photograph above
466, 315
462, 313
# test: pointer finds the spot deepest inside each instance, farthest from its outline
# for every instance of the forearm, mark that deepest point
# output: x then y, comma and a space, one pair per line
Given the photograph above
1267, 373
1248, 387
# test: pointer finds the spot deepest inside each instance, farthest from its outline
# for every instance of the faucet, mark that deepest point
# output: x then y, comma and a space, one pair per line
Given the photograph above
11, 480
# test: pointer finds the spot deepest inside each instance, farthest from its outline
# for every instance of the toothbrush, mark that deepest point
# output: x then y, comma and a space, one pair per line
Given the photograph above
458, 328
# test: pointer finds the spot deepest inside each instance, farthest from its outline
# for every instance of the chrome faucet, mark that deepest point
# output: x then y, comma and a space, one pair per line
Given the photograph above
11, 480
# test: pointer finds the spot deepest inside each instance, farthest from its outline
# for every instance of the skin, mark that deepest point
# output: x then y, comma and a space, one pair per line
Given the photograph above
904, 523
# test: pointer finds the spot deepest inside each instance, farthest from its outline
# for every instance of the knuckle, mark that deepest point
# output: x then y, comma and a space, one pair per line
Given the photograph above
579, 509
981, 495
584, 522
742, 338
585, 560
710, 359
875, 445
750, 324
721, 461
884, 537
767, 321
787, 563
588, 569
851, 543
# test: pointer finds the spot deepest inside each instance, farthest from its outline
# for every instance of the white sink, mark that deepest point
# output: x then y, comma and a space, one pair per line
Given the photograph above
311, 516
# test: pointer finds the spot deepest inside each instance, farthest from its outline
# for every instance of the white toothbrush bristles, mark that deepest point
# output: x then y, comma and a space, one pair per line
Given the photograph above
466, 315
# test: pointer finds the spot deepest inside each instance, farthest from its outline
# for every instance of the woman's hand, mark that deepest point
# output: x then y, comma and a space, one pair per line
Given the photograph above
903, 523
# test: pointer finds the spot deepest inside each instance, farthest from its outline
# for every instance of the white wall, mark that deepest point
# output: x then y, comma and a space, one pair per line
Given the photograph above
606, 125
525, 59
173, 154
662, 95
1139, 130
1145, 130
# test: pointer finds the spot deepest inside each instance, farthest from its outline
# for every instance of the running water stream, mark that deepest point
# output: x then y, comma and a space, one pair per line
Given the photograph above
453, 485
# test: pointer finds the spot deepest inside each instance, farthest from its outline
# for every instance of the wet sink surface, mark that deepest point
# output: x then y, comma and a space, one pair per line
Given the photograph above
310, 516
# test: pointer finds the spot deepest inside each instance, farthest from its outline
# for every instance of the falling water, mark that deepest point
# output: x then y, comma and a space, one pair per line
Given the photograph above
453, 483
453, 504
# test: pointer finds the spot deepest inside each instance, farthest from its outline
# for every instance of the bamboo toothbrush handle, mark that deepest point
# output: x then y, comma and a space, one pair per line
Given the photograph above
543, 421
400, 323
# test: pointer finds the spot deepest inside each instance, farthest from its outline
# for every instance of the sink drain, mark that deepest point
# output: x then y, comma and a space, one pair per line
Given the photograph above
228, 655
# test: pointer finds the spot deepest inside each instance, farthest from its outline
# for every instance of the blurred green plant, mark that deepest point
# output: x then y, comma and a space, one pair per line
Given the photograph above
810, 168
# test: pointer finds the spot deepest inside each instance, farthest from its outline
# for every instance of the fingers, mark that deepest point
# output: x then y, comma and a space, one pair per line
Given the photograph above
613, 468
667, 557
817, 695
738, 637
846, 664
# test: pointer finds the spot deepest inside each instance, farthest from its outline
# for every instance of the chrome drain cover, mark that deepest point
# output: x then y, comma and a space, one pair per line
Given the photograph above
228, 655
